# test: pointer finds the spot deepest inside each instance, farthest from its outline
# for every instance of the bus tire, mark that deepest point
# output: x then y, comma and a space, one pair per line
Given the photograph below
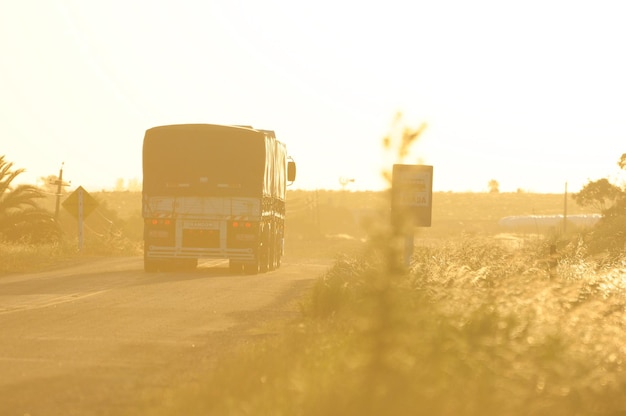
278, 251
251, 268
150, 265
235, 267
187, 264
265, 252
272, 254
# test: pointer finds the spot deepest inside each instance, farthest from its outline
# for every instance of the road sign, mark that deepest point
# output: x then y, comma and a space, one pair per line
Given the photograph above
411, 193
80, 200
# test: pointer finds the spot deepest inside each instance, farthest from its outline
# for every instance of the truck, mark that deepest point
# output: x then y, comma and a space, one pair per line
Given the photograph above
214, 192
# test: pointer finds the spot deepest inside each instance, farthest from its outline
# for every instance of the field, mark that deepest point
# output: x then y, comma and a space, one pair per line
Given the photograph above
470, 326
331, 221
453, 214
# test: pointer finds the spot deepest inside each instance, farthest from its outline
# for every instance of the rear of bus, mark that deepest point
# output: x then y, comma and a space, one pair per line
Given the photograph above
202, 192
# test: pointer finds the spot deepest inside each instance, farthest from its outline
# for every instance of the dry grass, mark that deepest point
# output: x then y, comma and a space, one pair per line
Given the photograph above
472, 328
26, 258
18, 258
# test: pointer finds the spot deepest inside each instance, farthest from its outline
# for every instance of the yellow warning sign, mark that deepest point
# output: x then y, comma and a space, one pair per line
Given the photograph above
80, 199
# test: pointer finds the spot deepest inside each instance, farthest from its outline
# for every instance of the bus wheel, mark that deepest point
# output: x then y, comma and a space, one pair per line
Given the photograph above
264, 258
272, 255
188, 264
279, 254
279, 251
264, 266
235, 267
265, 252
150, 265
251, 268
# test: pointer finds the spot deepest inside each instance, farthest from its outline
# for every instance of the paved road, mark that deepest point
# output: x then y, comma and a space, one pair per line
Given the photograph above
105, 338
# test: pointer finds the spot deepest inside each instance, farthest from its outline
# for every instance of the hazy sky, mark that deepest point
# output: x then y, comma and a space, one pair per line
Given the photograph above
532, 93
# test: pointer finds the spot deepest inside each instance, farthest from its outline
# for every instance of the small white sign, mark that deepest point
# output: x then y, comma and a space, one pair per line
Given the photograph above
412, 189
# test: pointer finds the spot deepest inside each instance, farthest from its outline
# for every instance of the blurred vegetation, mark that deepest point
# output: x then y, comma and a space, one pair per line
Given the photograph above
472, 327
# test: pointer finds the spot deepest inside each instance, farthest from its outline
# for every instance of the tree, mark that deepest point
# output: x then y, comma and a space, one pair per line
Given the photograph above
600, 194
21, 218
134, 185
609, 234
119, 184
622, 162
494, 186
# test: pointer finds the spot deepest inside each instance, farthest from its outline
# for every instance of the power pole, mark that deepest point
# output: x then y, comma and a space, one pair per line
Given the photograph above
343, 181
60, 184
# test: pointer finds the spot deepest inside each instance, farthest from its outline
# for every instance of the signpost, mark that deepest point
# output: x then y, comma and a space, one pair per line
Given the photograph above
411, 200
80, 204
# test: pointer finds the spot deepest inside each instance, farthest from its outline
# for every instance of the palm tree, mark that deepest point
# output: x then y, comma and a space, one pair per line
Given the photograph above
21, 219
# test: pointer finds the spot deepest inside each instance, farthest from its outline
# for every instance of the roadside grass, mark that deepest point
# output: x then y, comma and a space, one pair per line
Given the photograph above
17, 258
115, 231
472, 327
25, 257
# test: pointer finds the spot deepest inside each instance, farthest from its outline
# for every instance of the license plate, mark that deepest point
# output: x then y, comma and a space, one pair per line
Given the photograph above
206, 225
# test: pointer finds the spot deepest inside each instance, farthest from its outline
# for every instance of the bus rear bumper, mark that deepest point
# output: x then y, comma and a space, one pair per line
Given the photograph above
231, 254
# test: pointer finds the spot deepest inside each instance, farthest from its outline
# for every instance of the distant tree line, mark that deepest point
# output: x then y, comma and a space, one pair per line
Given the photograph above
132, 185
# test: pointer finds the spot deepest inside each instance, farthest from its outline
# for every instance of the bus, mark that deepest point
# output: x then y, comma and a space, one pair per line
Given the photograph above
214, 192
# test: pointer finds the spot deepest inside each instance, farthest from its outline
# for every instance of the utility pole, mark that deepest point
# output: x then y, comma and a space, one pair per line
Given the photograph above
343, 181
60, 184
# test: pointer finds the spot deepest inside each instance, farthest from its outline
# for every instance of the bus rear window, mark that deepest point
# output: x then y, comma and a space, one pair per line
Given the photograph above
200, 162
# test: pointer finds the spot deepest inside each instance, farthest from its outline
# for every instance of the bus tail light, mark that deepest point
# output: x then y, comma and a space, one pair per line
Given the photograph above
242, 224
159, 231
242, 234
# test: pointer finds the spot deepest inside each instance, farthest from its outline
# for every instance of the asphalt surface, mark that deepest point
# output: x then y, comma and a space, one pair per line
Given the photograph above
105, 338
